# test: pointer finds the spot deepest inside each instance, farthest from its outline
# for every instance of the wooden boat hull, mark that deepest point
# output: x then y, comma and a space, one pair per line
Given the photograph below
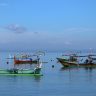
65, 63
25, 61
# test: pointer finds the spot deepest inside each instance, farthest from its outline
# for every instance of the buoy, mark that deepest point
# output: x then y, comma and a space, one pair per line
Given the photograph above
52, 66
7, 62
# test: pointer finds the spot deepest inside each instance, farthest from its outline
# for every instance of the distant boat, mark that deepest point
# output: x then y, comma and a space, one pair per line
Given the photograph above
25, 61
72, 61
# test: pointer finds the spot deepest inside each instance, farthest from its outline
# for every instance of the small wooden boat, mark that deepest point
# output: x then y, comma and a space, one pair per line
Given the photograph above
15, 71
66, 63
72, 61
18, 61
20, 71
25, 59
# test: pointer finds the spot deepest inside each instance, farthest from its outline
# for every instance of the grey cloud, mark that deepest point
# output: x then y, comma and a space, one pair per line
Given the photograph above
16, 28
36, 32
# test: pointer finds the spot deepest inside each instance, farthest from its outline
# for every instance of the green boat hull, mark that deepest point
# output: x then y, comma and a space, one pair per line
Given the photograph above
24, 72
8, 74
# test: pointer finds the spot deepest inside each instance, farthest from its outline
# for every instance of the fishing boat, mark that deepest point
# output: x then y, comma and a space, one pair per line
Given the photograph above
74, 61
25, 59
14, 71
23, 66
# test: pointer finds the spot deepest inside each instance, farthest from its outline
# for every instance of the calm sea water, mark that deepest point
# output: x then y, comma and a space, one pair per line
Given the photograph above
54, 82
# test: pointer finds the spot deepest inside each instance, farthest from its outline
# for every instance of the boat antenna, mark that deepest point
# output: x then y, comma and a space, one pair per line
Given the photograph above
91, 51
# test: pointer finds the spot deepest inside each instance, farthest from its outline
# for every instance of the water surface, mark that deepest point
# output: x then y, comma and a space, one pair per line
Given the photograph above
54, 82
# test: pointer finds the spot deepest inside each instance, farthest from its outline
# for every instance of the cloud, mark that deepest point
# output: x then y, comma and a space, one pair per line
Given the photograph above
46, 40
80, 30
67, 43
16, 28
36, 32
